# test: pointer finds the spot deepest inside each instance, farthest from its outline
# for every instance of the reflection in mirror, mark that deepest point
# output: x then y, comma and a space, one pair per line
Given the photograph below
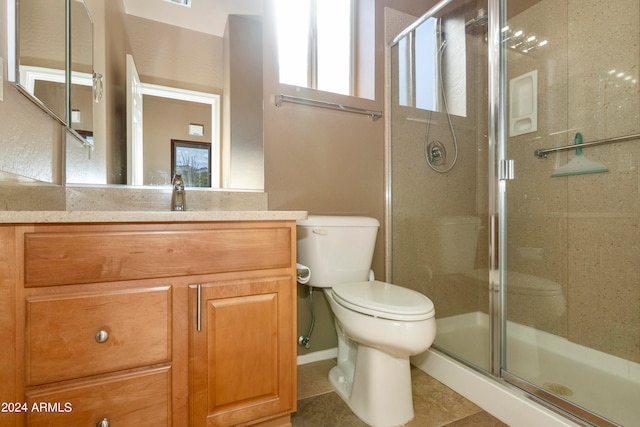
81, 61
41, 54
223, 61
184, 115
221, 55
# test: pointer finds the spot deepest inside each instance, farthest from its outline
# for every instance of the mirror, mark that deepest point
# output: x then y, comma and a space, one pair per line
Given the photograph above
41, 54
213, 48
175, 73
81, 96
44, 52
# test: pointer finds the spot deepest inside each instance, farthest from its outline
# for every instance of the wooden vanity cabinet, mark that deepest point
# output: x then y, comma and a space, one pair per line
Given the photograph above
181, 324
240, 347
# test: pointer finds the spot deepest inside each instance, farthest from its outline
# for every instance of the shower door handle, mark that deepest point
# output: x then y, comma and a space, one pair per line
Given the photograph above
506, 170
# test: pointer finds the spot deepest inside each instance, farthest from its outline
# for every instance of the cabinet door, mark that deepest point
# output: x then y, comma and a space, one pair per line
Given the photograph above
243, 355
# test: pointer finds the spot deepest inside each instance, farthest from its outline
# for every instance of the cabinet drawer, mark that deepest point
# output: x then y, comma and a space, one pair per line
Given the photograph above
132, 400
105, 256
77, 335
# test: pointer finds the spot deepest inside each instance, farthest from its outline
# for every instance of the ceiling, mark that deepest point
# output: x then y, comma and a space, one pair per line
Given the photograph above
206, 16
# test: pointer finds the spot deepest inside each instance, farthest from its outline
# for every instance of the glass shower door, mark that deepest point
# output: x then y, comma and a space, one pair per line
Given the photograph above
438, 169
572, 266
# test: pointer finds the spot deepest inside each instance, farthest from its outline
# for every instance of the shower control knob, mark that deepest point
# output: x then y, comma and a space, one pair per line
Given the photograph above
436, 154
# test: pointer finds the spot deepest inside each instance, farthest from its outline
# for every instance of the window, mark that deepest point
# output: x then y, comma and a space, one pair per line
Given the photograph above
316, 44
417, 66
432, 66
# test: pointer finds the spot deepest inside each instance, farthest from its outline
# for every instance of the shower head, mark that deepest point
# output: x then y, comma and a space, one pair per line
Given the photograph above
480, 20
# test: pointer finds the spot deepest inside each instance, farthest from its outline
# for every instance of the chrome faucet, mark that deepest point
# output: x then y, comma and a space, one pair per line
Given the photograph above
178, 202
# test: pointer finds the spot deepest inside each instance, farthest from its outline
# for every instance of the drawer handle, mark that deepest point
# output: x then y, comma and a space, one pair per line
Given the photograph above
104, 422
102, 336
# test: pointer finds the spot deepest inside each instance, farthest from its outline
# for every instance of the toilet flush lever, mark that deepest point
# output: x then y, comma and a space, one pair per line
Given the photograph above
320, 231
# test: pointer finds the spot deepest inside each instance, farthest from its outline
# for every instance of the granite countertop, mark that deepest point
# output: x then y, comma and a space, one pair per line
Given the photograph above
37, 217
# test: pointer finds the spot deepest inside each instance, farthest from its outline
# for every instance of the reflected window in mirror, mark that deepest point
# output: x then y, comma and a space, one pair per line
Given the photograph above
192, 160
327, 45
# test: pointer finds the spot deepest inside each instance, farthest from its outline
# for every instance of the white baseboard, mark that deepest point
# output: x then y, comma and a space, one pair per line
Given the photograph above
317, 356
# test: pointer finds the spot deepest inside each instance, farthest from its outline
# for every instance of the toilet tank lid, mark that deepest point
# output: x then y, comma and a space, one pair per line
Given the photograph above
338, 221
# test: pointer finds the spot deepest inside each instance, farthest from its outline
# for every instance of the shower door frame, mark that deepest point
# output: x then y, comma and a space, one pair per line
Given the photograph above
497, 152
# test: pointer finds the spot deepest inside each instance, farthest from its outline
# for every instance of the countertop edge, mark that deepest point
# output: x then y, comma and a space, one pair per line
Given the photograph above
49, 217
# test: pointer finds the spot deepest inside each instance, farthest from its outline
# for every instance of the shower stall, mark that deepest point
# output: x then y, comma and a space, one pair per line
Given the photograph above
528, 247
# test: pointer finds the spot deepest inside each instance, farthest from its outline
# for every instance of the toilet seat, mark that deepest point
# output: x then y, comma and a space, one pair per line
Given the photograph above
384, 300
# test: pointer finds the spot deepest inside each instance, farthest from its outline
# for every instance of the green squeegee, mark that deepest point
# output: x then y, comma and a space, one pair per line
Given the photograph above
579, 164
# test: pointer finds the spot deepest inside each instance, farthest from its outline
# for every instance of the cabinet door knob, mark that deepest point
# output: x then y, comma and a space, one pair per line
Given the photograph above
102, 336
103, 423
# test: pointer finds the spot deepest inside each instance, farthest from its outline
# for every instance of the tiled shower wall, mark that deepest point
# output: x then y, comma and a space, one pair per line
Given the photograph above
582, 231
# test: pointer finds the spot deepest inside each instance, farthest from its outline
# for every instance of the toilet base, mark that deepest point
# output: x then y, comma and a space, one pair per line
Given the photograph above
379, 388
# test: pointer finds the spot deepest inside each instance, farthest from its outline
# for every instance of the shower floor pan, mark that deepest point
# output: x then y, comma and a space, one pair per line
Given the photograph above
601, 383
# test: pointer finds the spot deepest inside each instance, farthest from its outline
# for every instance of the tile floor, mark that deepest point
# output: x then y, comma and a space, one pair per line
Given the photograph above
435, 405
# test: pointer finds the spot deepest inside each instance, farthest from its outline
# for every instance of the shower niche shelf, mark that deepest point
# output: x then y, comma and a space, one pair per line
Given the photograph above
523, 104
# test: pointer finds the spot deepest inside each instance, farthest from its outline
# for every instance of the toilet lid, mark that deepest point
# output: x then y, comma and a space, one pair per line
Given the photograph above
384, 300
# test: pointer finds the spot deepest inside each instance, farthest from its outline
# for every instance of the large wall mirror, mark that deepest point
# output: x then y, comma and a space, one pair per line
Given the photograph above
42, 53
84, 84
55, 66
210, 50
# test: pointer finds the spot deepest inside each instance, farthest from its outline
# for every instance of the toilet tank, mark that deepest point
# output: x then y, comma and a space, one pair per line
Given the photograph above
337, 249
456, 238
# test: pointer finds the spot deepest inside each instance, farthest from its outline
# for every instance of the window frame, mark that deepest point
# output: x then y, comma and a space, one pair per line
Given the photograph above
312, 51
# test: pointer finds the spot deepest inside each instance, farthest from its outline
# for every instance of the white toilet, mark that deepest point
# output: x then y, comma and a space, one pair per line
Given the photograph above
379, 325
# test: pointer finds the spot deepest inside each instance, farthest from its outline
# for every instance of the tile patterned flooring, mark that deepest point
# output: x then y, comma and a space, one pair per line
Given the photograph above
435, 405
